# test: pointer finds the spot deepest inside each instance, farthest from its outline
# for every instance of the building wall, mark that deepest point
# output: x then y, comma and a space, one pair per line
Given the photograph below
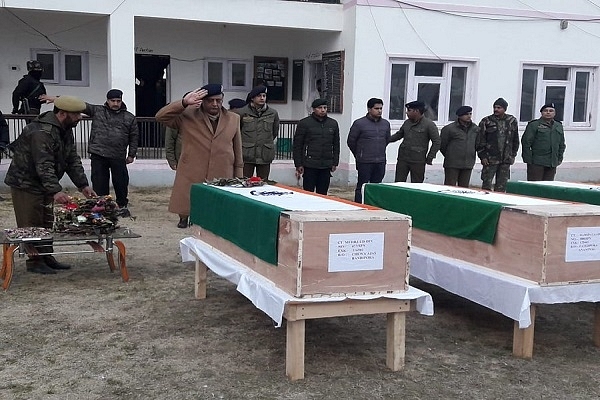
496, 37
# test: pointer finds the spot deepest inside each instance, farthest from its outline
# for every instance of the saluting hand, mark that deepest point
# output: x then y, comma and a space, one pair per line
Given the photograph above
194, 98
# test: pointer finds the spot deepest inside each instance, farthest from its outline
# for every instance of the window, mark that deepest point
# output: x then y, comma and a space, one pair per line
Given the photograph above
69, 68
442, 85
233, 75
569, 88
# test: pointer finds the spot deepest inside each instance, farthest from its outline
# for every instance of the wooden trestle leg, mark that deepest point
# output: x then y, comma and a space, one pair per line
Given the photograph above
122, 260
523, 338
6, 273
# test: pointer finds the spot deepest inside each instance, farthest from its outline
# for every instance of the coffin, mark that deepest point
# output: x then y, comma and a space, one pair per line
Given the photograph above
568, 191
549, 242
307, 245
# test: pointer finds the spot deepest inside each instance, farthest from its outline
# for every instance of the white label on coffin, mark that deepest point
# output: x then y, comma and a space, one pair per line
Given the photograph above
355, 252
583, 244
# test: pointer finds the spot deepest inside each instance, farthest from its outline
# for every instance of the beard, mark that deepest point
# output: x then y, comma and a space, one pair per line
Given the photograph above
70, 122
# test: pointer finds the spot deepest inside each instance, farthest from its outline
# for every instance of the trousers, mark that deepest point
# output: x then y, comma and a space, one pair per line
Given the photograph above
102, 170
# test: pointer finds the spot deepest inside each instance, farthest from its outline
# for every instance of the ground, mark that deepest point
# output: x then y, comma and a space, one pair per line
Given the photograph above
84, 334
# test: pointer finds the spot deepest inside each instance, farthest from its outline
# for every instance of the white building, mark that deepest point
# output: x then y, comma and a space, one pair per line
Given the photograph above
447, 52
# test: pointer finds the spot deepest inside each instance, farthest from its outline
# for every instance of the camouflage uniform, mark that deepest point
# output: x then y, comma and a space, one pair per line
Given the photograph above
498, 143
42, 154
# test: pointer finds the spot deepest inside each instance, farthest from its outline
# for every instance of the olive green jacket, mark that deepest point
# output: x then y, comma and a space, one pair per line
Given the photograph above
259, 129
172, 146
543, 143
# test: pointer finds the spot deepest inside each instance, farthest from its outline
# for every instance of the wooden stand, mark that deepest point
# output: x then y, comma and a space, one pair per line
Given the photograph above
442, 271
296, 313
523, 338
102, 244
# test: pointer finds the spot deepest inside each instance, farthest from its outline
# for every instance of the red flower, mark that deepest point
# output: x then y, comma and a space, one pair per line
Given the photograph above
71, 206
255, 179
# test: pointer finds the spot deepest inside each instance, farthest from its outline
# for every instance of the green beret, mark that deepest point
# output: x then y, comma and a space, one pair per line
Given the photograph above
69, 104
318, 103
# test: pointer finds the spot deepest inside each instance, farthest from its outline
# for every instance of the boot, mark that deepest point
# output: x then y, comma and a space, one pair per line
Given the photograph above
37, 266
183, 222
52, 263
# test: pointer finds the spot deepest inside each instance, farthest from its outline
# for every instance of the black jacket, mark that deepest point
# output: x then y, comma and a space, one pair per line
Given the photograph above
28, 88
317, 143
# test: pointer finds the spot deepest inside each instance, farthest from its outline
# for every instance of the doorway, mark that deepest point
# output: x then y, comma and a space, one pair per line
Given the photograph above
150, 96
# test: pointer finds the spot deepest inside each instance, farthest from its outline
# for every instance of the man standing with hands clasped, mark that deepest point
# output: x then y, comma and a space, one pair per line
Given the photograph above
42, 154
543, 145
497, 146
458, 148
367, 140
317, 148
259, 126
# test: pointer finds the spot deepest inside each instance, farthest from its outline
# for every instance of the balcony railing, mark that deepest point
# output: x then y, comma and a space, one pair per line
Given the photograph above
151, 144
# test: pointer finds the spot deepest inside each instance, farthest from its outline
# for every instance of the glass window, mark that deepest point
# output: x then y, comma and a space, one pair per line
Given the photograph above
215, 72
232, 74
69, 68
556, 95
556, 74
442, 86
238, 74
569, 88
458, 87
528, 89
73, 68
582, 86
48, 62
398, 91
429, 69
429, 93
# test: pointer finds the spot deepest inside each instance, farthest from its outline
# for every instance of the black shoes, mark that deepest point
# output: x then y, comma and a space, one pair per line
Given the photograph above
38, 266
45, 265
124, 212
52, 263
183, 222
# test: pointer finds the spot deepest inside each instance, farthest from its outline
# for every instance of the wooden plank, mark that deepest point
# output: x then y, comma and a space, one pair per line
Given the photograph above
294, 349
557, 269
523, 338
298, 311
396, 340
201, 273
528, 245
303, 254
315, 256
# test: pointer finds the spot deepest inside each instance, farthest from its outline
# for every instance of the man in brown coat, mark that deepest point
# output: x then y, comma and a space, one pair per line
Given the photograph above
211, 143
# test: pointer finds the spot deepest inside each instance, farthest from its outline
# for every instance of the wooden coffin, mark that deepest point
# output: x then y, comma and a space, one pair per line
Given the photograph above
548, 242
333, 253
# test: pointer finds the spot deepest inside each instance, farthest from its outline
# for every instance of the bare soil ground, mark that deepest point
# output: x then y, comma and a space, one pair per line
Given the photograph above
84, 334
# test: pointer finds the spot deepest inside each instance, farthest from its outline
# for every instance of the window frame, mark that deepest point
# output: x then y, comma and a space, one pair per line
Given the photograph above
227, 71
60, 66
569, 84
445, 82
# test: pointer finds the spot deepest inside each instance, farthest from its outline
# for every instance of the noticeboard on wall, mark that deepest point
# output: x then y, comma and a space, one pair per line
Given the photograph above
273, 73
333, 80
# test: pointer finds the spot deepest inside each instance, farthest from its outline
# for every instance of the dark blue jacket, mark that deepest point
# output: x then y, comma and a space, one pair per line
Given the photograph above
368, 139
